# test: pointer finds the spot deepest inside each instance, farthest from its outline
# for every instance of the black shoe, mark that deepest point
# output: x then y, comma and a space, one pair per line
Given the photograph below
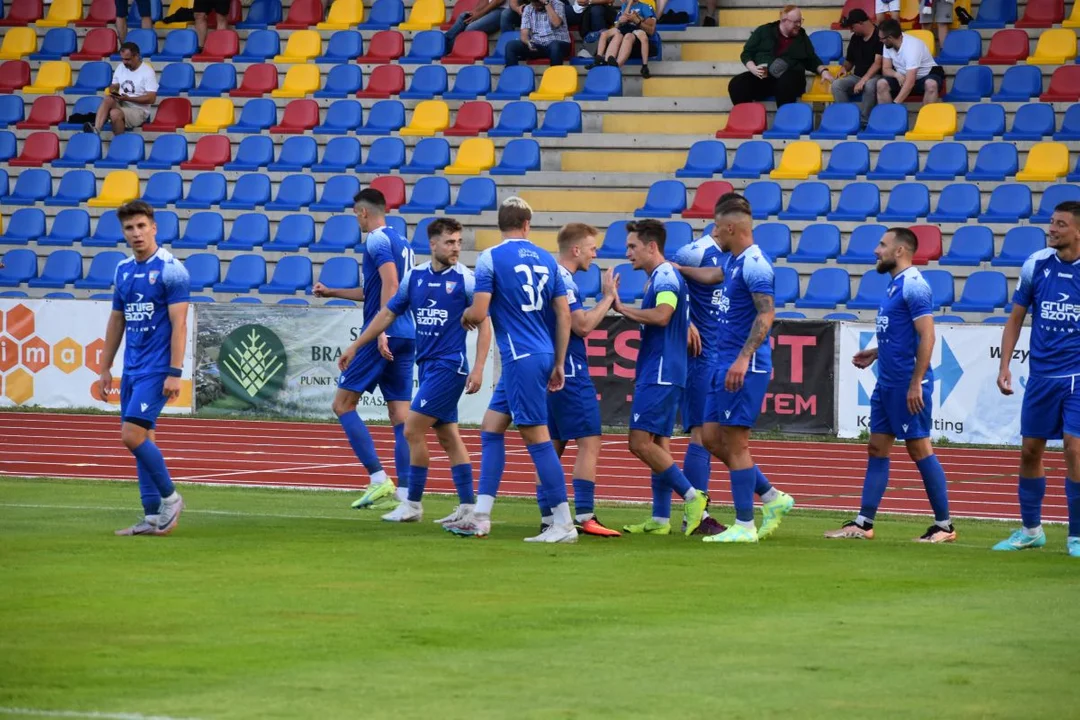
90, 128
645, 72
708, 22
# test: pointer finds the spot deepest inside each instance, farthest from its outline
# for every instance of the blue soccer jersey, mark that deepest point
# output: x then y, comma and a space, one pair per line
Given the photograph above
704, 299
576, 360
523, 280
382, 246
436, 301
747, 275
662, 355
1050, 288
143, 292
907, 299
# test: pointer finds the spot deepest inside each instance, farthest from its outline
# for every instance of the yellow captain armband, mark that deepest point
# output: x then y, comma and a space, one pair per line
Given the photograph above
667, 298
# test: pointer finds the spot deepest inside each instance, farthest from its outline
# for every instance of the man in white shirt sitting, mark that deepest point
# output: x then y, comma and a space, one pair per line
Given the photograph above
133, 90
908, 68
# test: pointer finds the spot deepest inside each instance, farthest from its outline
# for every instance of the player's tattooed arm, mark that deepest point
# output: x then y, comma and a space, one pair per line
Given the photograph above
759, 331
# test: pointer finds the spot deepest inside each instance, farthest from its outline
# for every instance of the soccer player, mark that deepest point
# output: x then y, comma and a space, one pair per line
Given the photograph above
659, 377
574, 412
516, 281
902, 403
1050, 286
149, 311
387, 364
744, 366
436, 293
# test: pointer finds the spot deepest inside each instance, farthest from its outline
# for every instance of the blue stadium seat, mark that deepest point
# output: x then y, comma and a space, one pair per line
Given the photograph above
1019, 84
514, 82
341, 82
261, 14
994, 14
791, 122
297, 153
896, 161
828, 45
339, 233
124, 151
62, 267
764, 197
339, 302
828, 287
167, 152
337, 194
861, 245
858, 201
3, 184
427, 82
871, 292
204, 270
81, 148
560, 119
344, 47
601, 83
57, 44
631, 283
11, 110
785, 285
168, 227
294, 193
1074, 176
996, 320
384, 14
294, 232
202, 230
19, 266
254, 152
427, 46
31, 186
245, 273
808, 201
774, 239
705, 159
340, 273
983, 121
847, 160
429, 195
24, 225
970, 246
429, 156
384, 155
206, 190
614, 244
260, 46
789, 314
179, 46
690, 7
498, 55
246, 300
163, 189
475, 196
84, 105
200, 299
471, 82
949, 319
907, 203
1033, 121
146, 40
1020, 242
818, 243
588, 282
1070, 124
398, 224
341, 154
68, 227
664, 199
1051, 198
93, 77
958, 202
1008, 203
217, 80
839, 121
249, 231
886, 122
420, 243
518, 157
384, 118
679, 235
984, 291
257, 116
516, 118
995, 161
752, 159
945, 161
971, 84
841, 317
960, 48
109, 234
176, 79
941, 287
102, 271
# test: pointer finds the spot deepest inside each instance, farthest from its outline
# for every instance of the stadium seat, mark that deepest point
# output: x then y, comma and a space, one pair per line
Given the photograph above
827, 288
299, 117
470, 83
31, 186
61, 13
302, 47
294, 193
22, 13
425, 15
124, 151
342, 81
960, 48
343, 116
253, 153
970, 246
785, 286
294, 233
163, 189
839, 121
631, 283
206, 190
385, 47
1020, 84
100, 14
820, 90
764, 198
498, 55
343, 14
774, 239
886, 122
258, 80
1033, 121
47, 111
221, 45
949, 319
861, 245
514, 82
516, 119
393, 189
93, 77
1007, 47
679, 235
58, 43
907, 202
1046, 162
929, 239
215, 114
752, 159
847, 160
601, 83
339, 233
994, 14
429, 156
474, 156
560, 119
202, 230
101, 272
475, 196
14, 74
799, 161
705, 159
25, 225
385, 80
146, 40
108, 233
344, 46
1019, 244
88, 104
52, 77
384, 155
302, 14
958, 202
300, 81
808, 201
995, 161
176, 79
614, 243
429, 195
858, 202
204, 270
385, 117
1051, 198
664, 199
896, 161
180, 45
938, 121
211, 151
557, 83
818, 243
340, 272
1055, 47
19, 267
257, 116
75, 188
983, 121
744, 121
248, 192
588, 282
472, 118
791, 122
945, 161
706, 196
38, 148
62, 268
984, 291
18, 43
427, 46
245, 273
518, 157
260, 47
337, 194
1042, 14
1009, 203
427, 82
217, 79
828, 44
871, 291
469, 47
168, 151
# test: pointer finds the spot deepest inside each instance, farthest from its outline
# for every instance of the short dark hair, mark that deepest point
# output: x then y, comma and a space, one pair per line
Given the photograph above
573, 233
889, 28
732, 203
905, 237
131, 209
1069, 206
513, 214
371, 196
442, 226
649, 231
131, 48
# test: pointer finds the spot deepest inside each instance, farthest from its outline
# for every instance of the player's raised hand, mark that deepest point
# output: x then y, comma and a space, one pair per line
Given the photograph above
1004, 382
105, 384
474, 381
736, 374
608, 283
346, 358
915, 402
864, 358
384, 347
557, 380
693, 341
172, 388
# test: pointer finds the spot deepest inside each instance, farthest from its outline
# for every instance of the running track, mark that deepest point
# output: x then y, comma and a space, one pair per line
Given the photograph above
982, 483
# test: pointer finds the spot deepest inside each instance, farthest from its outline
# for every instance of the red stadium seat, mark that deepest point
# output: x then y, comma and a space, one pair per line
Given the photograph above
1042, 14
744, 121
1007, 47
393, 189
47, 110
300, 116
849, 5
98, 44
235, 15
210, 152
172, 114
545, 61
705, 199
302, 15
384, 81
470, 46
220, 46
461, 6
14, 75
258, 80
23, 12
385, 46
101, 14
38, 148
929, 237
1064, 85
472, 118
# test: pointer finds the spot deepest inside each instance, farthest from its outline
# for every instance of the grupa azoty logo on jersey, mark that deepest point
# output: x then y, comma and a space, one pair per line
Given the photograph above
431, 315
721, 301
138, 311
1060, 310
253, 363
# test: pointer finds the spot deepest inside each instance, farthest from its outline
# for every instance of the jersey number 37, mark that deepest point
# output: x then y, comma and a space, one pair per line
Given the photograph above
532, 286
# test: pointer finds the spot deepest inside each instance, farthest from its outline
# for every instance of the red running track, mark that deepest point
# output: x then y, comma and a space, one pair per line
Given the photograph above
982, 483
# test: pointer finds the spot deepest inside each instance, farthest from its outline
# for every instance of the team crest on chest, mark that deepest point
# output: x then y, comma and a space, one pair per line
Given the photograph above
153, 276
891, 291
451, 285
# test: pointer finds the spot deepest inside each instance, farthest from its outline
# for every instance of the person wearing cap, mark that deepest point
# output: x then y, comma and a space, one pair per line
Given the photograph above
777, 57
861, 64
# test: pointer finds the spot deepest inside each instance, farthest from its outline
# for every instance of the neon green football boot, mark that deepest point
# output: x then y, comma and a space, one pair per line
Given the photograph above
375, 492
649, 527
773, 513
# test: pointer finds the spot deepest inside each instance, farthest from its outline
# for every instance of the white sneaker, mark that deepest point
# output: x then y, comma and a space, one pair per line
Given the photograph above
169, 515
556, 534
473, 525
407, 511
459, 512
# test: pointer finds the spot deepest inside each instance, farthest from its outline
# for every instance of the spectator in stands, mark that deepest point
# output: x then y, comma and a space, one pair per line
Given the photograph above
885, 8
145, 16
205, 7
511, 16
938, 13
590, 15
709, 19
777, 57
133, 90
908, 67
486, 17
861, 64
636, 27
543, 34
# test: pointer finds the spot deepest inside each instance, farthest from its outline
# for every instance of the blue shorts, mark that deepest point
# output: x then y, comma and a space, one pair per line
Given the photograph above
142, 397
699, 383
441, 385
574, 411
889, 413
521, 391
369, 369
1051, 407
122, 7
654, 407
740, 408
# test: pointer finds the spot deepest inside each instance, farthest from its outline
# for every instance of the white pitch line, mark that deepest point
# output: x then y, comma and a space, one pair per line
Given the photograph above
78, 714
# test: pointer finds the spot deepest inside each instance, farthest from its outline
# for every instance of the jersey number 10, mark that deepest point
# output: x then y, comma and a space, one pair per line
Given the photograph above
533, 286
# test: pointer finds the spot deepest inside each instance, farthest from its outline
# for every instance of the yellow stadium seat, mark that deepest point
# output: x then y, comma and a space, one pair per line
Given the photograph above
926, 36
344, 14
1073, 21
1046, 162
18, 43
62, 12
425, 15
820, 90
303, 47
558, 83
300, 80
119, 187
52, 77
935, 122
429, 117
966, 5
546, 239
215, 115
174, 7
473, 157
799, 161
1056, 47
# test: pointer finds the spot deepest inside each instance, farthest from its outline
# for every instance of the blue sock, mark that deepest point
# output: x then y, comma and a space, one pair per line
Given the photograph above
148, 492
1031, 492
402, 462
661, 498
149, 456
873, 488
933, 479
463, 483
550, 470
673, 477
761, 483
1072, 496
417, 481
542, 503
583, 496
742, 492
492, 462
697, 465
360, 440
